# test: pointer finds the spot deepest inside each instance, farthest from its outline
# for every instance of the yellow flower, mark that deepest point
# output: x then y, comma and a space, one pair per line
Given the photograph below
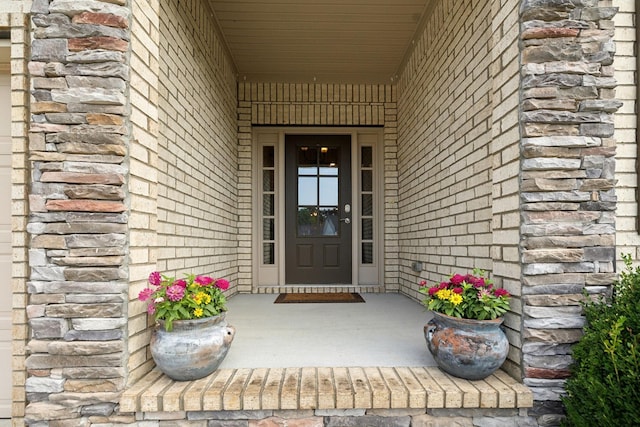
443, 294
455, 298
201, 296
198, 312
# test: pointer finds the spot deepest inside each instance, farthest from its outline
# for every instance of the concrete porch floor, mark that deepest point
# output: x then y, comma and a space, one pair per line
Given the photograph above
385, 330
368, 355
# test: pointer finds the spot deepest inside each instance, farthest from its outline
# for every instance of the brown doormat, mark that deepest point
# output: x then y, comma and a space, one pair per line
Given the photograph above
335, 297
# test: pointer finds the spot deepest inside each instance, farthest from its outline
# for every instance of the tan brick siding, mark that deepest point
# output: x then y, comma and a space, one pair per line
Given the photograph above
19, 25
505, 153
183, 155
444, 153
197, 153
143, 177
627, 238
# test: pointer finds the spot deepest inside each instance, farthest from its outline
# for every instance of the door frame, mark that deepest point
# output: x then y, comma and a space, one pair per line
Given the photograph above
274, 275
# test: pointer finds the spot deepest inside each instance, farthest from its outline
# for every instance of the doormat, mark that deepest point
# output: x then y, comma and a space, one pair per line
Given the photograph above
324, 297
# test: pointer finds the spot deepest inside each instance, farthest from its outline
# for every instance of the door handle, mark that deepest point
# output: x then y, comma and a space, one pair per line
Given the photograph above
346, 220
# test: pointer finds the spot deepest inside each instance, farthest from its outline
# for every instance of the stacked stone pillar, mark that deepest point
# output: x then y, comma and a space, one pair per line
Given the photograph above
78, 222
567, 188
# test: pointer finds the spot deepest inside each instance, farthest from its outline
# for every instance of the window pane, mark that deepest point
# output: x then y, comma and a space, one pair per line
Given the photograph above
307, 221
367, 157
307, 156
367, 180
367, 253
268, 229
267, 180
268, 157
329, 156
268, 204
329, 171
329, 191
307, 191
367, 204
367, 229
312, 171
314, 222
268, 253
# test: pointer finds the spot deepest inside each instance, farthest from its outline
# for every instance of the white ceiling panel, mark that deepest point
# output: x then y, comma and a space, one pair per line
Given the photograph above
338, 41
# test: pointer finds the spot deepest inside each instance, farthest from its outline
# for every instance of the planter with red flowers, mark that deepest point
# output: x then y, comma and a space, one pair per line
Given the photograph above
191, 336
465, 335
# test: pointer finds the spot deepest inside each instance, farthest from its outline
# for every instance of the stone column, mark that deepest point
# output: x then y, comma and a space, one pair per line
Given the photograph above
567, 189
78, 144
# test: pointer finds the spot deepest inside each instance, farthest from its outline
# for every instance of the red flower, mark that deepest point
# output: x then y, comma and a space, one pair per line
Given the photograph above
457, 290
433, 290
180, 282
456, 279
423, 283
203, 280
222, 284
500, 292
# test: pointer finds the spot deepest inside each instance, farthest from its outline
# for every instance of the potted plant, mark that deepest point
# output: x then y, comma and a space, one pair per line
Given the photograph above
191, 337
465, 335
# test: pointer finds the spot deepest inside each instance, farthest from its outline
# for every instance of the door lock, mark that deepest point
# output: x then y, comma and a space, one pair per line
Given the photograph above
346, 220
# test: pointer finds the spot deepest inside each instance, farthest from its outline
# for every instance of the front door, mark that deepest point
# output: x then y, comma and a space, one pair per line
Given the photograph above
318, 209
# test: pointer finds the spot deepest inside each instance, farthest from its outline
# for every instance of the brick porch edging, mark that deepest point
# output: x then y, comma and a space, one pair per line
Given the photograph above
324, 388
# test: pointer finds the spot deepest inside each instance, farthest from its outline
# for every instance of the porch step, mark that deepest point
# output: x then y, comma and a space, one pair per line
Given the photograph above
324, 388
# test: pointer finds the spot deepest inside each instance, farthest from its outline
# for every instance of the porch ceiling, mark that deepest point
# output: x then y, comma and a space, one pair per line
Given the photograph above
338, 41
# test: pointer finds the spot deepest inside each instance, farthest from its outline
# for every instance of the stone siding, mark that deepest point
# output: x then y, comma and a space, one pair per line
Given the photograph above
444, 159
78, 143
568, 179
310, 104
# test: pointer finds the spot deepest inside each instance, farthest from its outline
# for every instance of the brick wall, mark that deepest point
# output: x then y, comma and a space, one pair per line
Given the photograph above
197, 149
505, 153
309, 104
444, 157
183, 156
19, 26
143, 177
627, 238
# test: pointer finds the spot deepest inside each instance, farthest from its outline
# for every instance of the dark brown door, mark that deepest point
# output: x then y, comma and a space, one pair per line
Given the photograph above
318, 209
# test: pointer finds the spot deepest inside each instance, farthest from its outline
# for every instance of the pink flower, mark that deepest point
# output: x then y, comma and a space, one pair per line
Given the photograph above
457, 290
203, 280
433, 290
483, 293
501, 292
423, 283
443, 285
175, 292
456, 279
222, 284
180, 282
155, 278
151, 308
145, 294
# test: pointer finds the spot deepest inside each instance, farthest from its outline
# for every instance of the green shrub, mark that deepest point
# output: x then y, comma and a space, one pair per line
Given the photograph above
604, 387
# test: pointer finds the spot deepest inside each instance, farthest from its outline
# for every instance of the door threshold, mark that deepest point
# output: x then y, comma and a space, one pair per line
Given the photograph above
292, 289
